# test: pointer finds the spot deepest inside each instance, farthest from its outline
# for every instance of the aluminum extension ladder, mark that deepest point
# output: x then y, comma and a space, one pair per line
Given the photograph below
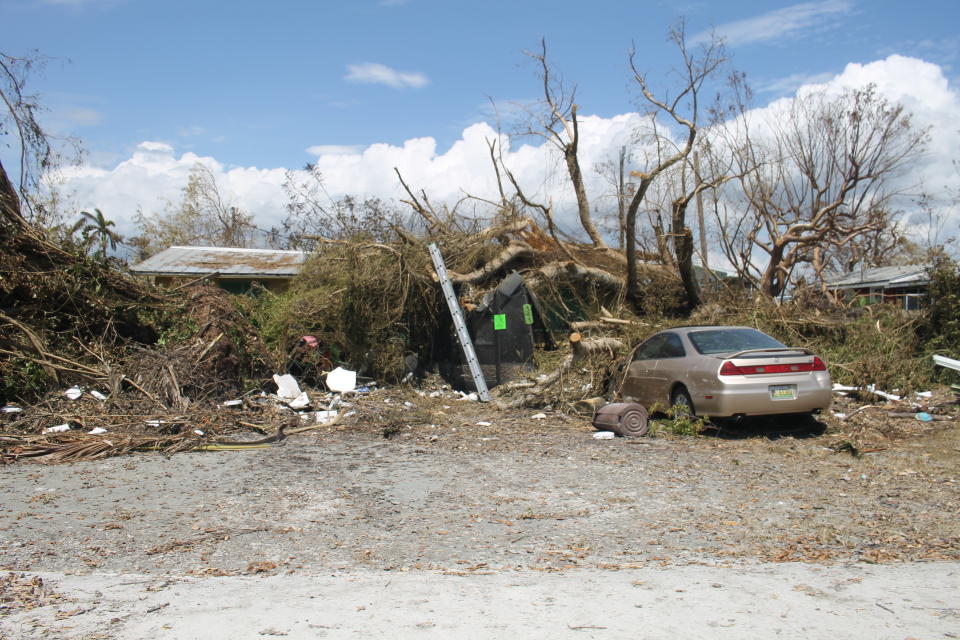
459, 323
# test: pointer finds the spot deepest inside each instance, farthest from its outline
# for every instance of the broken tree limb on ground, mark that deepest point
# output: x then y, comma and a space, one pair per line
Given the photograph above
580, 348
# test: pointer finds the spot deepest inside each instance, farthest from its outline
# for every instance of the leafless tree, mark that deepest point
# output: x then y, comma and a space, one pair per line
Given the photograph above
616, 173
683, 110
818, 181
203, 216
554, 118
36, 151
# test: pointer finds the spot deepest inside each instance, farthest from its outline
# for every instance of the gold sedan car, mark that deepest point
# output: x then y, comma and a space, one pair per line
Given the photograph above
726, 372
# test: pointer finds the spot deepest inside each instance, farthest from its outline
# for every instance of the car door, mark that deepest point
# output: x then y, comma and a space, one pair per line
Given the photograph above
640, 382
672, 366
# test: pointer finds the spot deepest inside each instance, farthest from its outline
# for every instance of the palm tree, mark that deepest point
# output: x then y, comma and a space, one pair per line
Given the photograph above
95, 225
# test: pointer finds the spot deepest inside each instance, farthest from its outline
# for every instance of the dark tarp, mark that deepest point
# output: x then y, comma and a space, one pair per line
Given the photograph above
504, 330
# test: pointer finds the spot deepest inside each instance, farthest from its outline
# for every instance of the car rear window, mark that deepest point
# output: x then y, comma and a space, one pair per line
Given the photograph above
711, 341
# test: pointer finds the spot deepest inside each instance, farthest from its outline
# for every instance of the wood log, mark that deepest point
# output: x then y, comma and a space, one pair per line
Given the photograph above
517, 250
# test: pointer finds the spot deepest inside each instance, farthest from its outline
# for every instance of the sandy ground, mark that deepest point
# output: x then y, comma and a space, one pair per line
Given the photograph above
919, 600
484, 531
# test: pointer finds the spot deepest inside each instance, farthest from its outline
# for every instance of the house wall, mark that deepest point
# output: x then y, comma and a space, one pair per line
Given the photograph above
906, 298
233, 285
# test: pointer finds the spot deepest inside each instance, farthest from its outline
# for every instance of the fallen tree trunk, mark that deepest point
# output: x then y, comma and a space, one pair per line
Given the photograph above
514, 252
580, 348
576, 272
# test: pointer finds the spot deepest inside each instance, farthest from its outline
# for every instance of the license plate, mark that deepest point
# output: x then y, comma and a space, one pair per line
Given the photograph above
783, 392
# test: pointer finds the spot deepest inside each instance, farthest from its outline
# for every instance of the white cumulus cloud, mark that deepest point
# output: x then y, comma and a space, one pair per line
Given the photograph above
155, 172
376, 73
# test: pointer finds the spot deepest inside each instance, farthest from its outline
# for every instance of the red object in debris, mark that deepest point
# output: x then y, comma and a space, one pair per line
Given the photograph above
309, 341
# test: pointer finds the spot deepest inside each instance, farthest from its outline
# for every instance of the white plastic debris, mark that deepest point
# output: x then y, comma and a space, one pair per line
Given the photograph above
99, 396
73, 392
472, 397
198, 432
843, 387
924, 394
287, 386
409, 405
154, 423
538, 416
342, 380
349, 413
9, 409
484, 423
323, 416
604, 435
883, 394
302, 401
233, 403
436, 394
60, 428
97, 431
840, 416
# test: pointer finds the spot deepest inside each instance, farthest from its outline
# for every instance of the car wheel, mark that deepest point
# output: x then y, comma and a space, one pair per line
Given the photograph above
681, 401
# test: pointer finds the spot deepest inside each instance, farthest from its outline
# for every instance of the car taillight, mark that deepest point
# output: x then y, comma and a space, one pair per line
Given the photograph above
730, 369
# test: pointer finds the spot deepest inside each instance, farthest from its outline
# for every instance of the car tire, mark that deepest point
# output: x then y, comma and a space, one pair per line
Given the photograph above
681, 400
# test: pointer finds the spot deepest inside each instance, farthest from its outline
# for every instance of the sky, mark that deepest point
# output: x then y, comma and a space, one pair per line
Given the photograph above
254, 89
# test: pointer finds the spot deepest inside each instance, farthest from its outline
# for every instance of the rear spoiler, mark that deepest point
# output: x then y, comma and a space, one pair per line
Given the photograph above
802, 350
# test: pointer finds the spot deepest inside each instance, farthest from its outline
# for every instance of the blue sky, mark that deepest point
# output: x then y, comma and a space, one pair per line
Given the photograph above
256, 84
254, 88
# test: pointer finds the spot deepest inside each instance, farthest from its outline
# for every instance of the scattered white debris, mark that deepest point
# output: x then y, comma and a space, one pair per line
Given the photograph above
883, 394
839, 416
484, 423
342, 380
842, 389
154, 423
233, 403
198, 432
9, 409
538, 416
924, 394
323, 416
604, 435
302, 401
435, 394
408, 405
73, 392
349, 413
97, 431
60, 428
472, 396
99, 396
287, 386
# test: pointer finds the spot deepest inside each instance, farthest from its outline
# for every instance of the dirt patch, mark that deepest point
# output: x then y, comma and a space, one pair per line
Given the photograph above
417, 482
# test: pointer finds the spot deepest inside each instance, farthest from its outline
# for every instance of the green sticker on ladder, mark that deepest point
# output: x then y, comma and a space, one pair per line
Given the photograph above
528, 314
499, 321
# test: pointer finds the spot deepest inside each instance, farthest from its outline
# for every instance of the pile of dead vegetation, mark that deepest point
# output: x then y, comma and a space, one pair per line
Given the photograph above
879, 345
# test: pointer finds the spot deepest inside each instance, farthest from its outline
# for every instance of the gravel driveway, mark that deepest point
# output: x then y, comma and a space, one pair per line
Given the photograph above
466, 500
